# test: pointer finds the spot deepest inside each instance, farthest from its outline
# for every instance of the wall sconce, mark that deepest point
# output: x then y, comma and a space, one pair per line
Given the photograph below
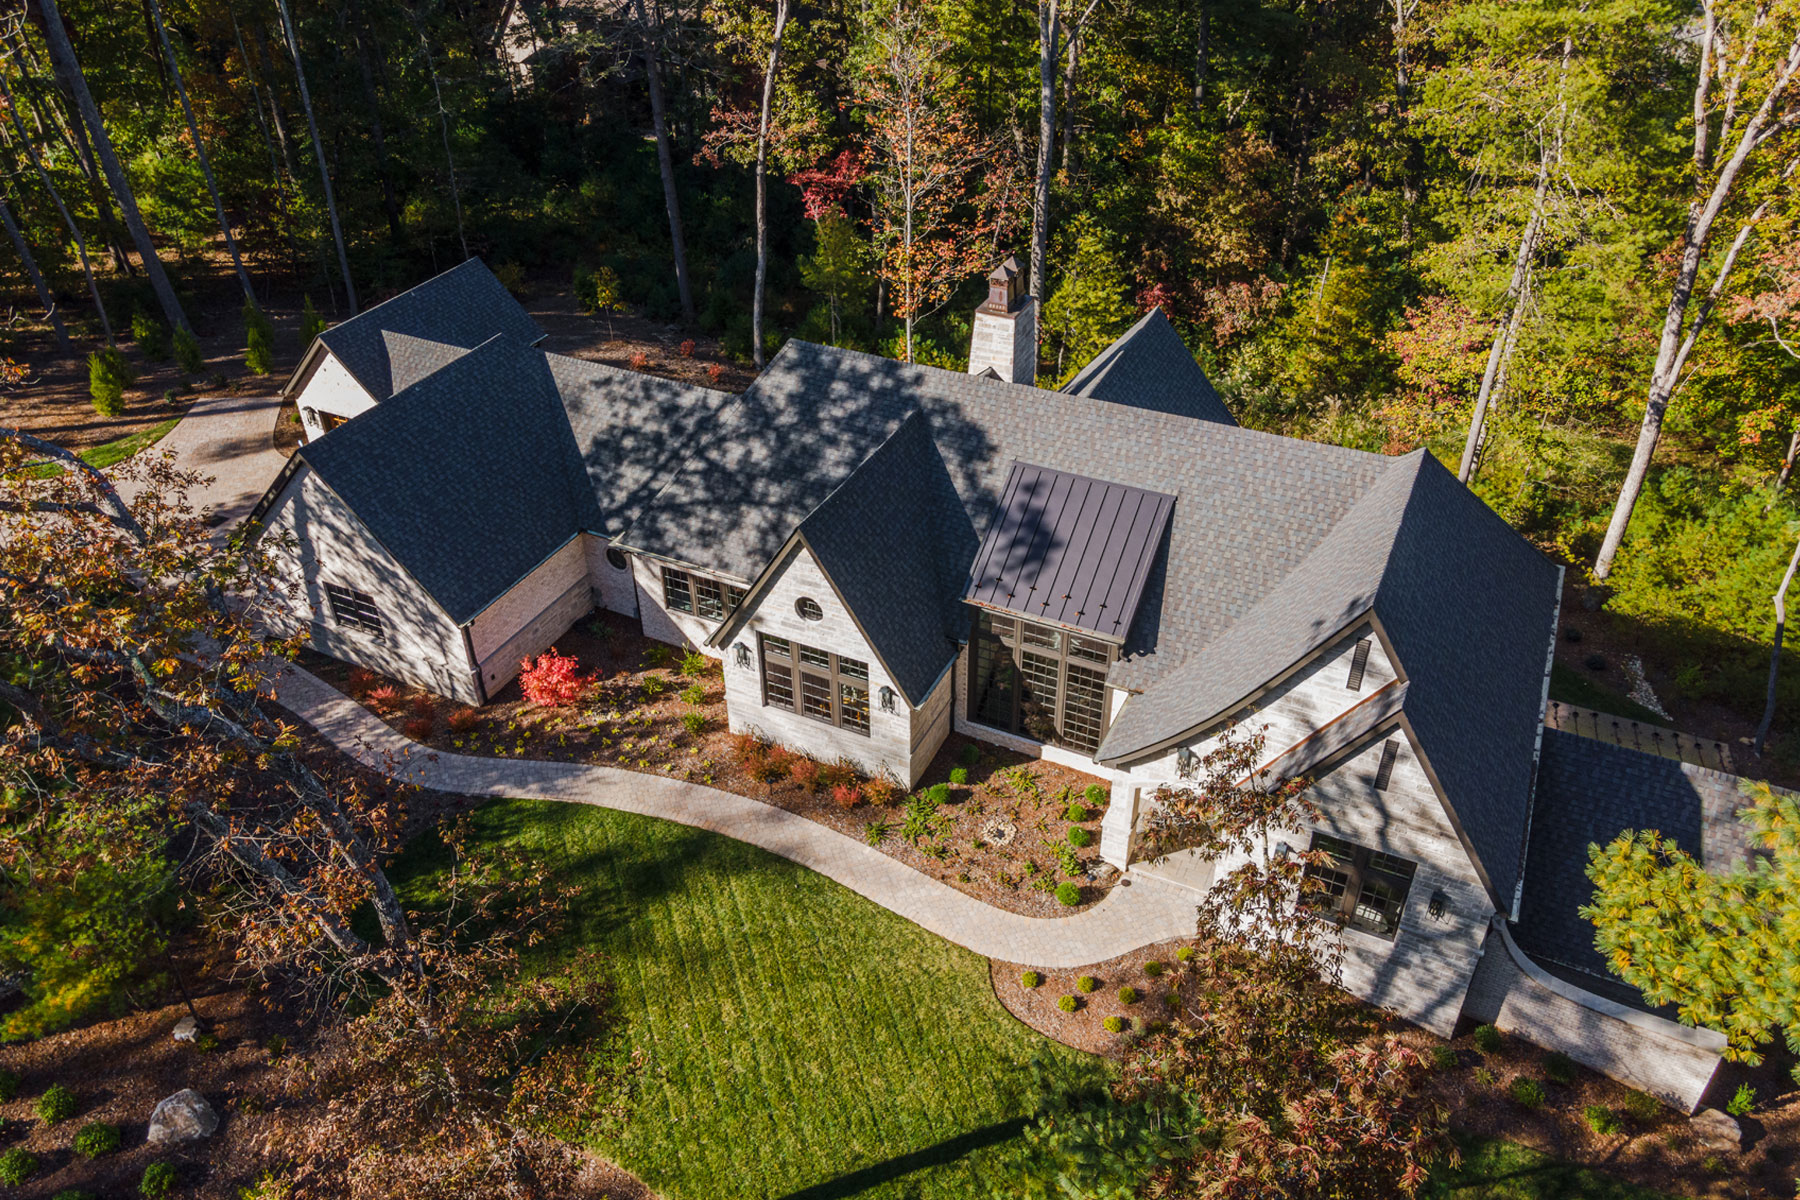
1185, 760
887, 698
1439, 903
1282, 851
741, 653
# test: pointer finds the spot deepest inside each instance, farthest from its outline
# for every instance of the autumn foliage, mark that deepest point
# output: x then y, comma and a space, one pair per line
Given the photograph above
553, 680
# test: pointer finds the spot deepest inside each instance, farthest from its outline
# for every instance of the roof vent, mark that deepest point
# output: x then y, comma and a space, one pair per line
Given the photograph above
1359, 663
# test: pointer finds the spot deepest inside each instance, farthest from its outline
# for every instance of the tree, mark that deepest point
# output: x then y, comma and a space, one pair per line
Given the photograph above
1091, 305
312, 126
1049, 44
1780, 601
437, 91
37, 280
1722, 947
762, 202
68, 70
648, 39
838, 268
1736, 67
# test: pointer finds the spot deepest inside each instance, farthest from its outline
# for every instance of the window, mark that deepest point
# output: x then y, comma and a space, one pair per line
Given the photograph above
1364, 888
809, 609
688, 592
1359, 663
816, 683
354, 609
709, 600
678, 591
1046, 683
615, 558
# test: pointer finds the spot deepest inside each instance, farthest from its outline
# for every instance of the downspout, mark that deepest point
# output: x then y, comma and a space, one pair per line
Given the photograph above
474, 667
1537, 747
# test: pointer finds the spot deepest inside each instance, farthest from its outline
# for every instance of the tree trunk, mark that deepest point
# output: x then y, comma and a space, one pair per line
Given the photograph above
212, 184
444, 128
276, 177
1200, 58
1787, 469
1506, 335
665, 162
37, 280
390, 204
312, 128
762, 202
87, 268
63, 55
1678, 333
1049, 46
1768, 717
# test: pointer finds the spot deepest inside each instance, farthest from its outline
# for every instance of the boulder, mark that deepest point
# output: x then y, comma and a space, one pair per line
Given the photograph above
187, 1029
1716, 1130
183, 1117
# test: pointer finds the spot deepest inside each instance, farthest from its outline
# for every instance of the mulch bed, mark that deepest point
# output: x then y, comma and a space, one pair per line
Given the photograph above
1085, 1028
999, 837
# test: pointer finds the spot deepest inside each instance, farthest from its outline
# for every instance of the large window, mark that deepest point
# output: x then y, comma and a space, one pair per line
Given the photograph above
1046, 683
816, 683
1365, 888
354, 609
685, 591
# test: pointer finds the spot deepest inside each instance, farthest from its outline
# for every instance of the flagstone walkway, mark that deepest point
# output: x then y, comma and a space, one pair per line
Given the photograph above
1137, 912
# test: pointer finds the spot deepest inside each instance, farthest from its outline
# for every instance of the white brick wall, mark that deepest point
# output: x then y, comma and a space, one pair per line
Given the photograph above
675, 628
332, 389
531, 615
613, 587
1006, 342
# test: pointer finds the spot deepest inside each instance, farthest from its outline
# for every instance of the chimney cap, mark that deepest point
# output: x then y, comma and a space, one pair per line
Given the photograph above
1005, 272
1006, 285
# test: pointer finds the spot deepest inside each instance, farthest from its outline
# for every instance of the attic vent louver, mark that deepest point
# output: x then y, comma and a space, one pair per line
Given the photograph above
1358, 665
1384, 774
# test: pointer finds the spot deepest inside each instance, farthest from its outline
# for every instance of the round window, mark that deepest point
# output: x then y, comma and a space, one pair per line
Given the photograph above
615, 558
809, 609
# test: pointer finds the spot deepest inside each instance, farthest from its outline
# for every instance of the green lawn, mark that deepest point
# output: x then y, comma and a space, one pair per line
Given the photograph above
1496, 1170
104, 456
803, 1042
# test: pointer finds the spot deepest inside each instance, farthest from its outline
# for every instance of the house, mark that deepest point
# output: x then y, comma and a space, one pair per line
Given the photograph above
1104, 576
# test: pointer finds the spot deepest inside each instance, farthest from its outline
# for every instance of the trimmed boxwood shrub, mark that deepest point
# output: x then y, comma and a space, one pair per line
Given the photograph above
1117, 1024
157, 1181
1559, 1068
1444, 1057
17, 1165
1128, 995
1153, 968
1068, 1003
1087, 983
1077, 811
96, 1139
970, 754
1095, 796
56, 1104
1527, 1092
9, 1085
959, 776
1030, 979
1080, 838
1487, 1038
1068, 894
1185, 954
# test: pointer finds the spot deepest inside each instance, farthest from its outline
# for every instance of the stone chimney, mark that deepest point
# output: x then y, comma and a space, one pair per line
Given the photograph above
1004, 341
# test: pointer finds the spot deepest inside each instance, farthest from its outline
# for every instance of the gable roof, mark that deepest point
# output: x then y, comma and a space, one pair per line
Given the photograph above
470, 478
1151, 367
401, 341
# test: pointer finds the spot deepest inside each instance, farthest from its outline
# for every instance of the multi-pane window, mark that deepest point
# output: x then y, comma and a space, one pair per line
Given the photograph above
1038, 680
685, 591
1365, 888
354, 609
816, 683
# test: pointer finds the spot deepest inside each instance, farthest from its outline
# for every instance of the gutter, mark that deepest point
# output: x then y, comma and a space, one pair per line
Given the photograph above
1537, 746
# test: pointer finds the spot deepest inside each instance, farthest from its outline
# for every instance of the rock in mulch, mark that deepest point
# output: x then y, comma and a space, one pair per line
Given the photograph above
187, 1029
183, 1117
1717, 1130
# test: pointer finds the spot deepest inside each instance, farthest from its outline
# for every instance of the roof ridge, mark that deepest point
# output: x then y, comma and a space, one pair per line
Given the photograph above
401, 295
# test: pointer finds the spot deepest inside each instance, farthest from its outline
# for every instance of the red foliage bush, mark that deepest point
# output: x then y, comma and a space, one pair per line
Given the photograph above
805, 773
880, 791
463, 720
554, 680
424, 705
686, 349
714, 372
418, 728
362, 681
748, 749
846, 795
781, 760
639, 360
837, 774
385, 696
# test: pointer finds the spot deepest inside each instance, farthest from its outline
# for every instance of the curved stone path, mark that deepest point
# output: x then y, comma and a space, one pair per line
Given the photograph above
1137, 912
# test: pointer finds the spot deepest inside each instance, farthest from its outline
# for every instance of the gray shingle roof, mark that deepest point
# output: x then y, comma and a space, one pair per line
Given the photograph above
470, 477
1150, 367
457, 310
1588, 793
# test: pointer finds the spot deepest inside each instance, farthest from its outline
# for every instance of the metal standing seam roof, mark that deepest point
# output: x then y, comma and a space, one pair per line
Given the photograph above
1069, 549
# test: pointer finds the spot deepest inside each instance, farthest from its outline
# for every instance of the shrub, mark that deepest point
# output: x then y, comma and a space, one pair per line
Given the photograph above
1559, 1068
1487, 1039
781, 761
9, 1085
385, 696
714, 373
259, 340
1080, 838
1068, 1003
1095, 795
970, 754
206, 1043
553, 680
1642, 1106
268, 1186
1185, 954
108, 377
1743, 1101
1485, 1077
1117, 1024
97, 1139
881, 791
1153, 968
652, 686
876, 831
423, 705
463, 720
1087, 983
311, 323
938, 794
686, 349
694, 664
1602, 1120
157, 1181
152, 340
1030, 979
1444, 1057
804, 772
1068, 894
1128, 995
1171, 1000
748, 748
56, 1104
639, 360
693, 722
187, 353
1527, 1092
17, 1165
73, 1194
959, 776
836, 772
846, 795
660, 654
362, 680
418, 728
693, 694
1077, 811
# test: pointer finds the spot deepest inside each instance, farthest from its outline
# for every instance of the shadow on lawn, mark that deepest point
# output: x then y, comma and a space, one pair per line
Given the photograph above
937, 1155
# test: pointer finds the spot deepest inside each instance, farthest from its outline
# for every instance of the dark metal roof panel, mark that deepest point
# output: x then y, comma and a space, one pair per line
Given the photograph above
1069, 549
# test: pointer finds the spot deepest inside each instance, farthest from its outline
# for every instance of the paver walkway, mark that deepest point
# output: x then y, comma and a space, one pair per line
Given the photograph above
1137, 912
231, 439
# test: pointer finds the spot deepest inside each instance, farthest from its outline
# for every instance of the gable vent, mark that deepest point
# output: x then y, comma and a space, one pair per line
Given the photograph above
1358, 665
1384, 774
